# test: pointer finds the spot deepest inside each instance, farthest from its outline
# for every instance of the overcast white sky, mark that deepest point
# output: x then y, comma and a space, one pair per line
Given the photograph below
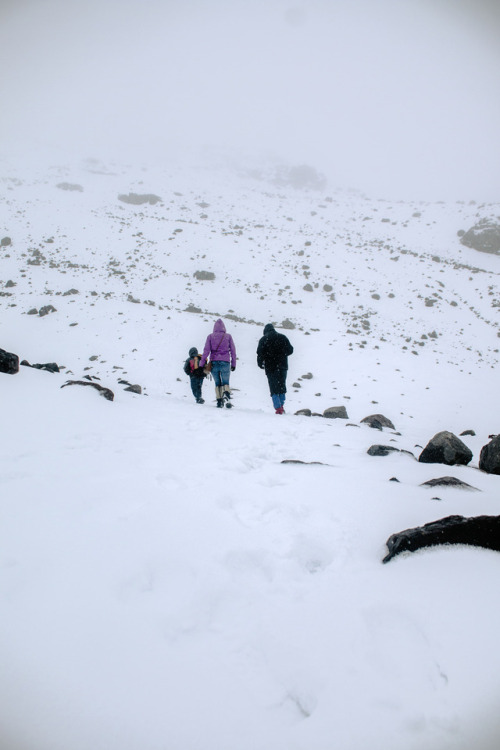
396, 97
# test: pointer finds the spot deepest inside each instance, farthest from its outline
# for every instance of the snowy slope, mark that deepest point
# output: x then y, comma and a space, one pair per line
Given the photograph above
166, 581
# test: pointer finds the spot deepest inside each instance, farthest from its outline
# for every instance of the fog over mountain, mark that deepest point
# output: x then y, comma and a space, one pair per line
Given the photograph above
397, 99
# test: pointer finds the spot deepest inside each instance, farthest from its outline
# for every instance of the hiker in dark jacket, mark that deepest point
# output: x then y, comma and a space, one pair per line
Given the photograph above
272, 356
195, 372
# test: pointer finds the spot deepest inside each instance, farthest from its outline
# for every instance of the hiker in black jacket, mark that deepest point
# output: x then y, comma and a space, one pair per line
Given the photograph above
272, 356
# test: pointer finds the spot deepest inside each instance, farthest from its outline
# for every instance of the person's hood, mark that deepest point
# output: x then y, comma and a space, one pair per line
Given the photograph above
193, 352
219, 326
269, 328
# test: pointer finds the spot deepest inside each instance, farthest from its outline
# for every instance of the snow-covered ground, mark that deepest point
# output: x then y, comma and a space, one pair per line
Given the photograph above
166, 582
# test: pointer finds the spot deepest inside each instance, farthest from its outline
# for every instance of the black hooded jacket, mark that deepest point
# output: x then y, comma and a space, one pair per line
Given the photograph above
273, 350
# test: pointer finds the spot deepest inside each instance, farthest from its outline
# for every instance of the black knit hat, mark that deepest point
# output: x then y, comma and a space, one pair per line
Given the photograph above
193, 352
268, 328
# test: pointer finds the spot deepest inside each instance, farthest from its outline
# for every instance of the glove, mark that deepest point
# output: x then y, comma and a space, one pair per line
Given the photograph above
233, 368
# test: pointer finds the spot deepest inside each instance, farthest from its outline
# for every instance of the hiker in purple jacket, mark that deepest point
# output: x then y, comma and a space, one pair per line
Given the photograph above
219, 346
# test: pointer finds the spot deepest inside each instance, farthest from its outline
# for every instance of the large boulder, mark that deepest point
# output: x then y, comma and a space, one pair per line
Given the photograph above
9, 363
489, 458
446, 448
482, 531
484, 236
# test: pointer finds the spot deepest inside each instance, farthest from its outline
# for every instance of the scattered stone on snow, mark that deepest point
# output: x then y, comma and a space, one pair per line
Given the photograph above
307, 376
483, 236
449, 482
45, 310
382, 450
48, 366
305, 463
468, 432
5, 242
481, 531
335, 412
489, 458
204, 275
9, 362
70, 186
303, 413
288, 325
106, 392
378, 422
132, 388
33, 311
446, 448
137, 199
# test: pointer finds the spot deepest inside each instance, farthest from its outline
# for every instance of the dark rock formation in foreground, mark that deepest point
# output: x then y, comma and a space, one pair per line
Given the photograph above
9, 363
489, 458
446, 448
481, 531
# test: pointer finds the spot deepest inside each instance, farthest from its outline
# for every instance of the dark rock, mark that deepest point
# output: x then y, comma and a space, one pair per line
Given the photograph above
204, 275
305, 463
303, 413
106, 392
288, 325
46, 310
484, 236
446, 448
336, 412
49, 366
9, 363
489, 458
137, 200
394, 479
481, 531
70, 186
134, 389
448, 482
378, 422
5, 242
468, 432
33, 311
382, 450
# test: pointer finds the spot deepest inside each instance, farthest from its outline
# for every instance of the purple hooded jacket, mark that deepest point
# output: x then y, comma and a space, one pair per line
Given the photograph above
219, 345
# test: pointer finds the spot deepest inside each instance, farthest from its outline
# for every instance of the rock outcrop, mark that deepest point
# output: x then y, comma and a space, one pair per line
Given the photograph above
9, 363
446, 448
489, 458
483, 236
378, 422
481, 531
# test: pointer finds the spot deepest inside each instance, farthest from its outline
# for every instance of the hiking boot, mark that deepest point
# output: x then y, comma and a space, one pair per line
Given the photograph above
220, 403
200, 400
280, 410
226, 395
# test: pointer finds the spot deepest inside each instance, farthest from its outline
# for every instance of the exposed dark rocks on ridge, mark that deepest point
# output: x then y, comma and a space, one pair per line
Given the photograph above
481, 531
106, 392
446, 448
9, 362
49, 366
489, 458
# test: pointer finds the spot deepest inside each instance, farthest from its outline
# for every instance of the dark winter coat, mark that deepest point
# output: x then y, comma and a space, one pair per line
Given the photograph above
193, 369
273, 350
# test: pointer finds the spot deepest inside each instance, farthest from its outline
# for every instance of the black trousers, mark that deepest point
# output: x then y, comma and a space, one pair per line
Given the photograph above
277, 380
